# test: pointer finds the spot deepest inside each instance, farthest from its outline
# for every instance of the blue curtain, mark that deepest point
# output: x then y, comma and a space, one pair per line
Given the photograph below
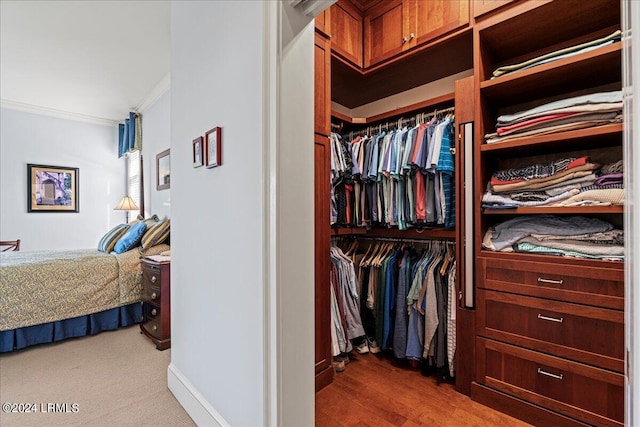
127, 135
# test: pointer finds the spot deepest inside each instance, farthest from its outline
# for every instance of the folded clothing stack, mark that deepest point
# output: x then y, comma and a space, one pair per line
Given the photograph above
569, 181
573, 236
578, 112
559, 54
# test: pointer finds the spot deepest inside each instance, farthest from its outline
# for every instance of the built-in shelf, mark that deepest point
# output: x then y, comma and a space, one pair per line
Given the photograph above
598, 67
557, 210
442, 101
599, 134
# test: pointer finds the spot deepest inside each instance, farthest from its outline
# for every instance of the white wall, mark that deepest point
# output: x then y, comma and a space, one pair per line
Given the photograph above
156, 137
34, 138
217, 214
242, 233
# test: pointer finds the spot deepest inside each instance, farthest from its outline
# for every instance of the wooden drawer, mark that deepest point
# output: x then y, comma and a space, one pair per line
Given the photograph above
589, 394
583, 333
154, 327
151, 293
579, 282
150, 275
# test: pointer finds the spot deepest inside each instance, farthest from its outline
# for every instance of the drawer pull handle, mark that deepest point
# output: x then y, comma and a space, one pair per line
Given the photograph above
551, 319
154, 312
555, 282
153, 295
153, 279
549, 374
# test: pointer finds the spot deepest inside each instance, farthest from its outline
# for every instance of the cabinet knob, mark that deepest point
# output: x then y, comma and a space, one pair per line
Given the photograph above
154, 312
153, 279
153, 295
411, 36
404, 40
155, 328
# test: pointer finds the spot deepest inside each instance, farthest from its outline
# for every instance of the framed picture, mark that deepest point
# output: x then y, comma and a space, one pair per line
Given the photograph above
197, 152
163, 170
52, 189
213, 147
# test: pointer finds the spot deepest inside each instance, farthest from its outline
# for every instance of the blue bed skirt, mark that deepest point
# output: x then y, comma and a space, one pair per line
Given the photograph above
90, 324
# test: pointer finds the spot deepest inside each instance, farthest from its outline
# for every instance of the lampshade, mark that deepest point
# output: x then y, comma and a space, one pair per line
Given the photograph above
126, 204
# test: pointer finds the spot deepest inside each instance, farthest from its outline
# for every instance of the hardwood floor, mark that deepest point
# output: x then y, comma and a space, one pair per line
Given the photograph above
377, 390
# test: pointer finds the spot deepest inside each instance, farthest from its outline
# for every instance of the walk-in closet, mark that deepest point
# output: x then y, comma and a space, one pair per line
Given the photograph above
469, 201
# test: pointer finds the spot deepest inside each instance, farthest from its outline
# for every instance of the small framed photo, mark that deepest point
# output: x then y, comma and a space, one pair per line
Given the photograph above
163, 170
198, 152
52, 189
213, 147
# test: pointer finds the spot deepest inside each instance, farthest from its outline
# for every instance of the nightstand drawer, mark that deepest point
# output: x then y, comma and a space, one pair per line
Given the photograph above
152, 311
154, 327
579, 332
150, 275
580, 283
151, 294
592, 395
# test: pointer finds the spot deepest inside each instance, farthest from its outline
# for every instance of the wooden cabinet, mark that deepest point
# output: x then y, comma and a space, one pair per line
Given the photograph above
322, 172
322, 85
386, 31
346, 32
156, 302
549, 328
393, 27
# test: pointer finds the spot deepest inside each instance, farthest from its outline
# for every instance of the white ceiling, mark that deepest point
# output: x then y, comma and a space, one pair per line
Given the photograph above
94, 59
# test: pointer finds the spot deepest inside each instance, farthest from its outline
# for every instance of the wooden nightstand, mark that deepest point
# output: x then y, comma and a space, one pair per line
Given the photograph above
156, 302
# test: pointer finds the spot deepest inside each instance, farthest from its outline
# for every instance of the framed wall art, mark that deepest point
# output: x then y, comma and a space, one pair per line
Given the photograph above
52, 188
163, 170
198, 152
213, 147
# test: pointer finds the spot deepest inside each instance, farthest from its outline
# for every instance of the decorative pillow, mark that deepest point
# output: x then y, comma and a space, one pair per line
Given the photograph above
110, 239
157, 234
131, 238
149, 221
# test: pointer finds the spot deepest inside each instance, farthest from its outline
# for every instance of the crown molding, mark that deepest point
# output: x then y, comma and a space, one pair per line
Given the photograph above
45, 111
160, 89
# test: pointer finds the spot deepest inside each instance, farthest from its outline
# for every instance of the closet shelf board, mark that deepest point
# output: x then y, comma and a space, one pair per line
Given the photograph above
558, 210
433, 103
611, 132
598, 67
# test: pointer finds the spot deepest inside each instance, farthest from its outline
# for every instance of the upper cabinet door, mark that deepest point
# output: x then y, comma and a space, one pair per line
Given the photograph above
386, 31
323, 22
346, 32
322, 90
435, 18
480, 7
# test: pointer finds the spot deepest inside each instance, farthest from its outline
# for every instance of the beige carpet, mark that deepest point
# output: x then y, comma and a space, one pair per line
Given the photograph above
116, 378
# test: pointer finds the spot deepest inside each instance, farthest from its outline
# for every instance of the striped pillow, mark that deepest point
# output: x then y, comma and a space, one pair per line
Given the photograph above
157, 234
110, 239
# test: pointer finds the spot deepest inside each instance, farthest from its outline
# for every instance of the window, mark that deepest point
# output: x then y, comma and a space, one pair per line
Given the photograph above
133, 176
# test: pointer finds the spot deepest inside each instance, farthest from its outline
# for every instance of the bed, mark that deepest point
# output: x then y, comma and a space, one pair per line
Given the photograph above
47, 296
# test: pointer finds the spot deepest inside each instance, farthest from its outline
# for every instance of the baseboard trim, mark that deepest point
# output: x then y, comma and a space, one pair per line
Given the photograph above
202, 413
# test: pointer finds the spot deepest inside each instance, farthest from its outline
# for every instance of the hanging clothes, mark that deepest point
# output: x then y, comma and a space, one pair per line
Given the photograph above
402, 177
407, 300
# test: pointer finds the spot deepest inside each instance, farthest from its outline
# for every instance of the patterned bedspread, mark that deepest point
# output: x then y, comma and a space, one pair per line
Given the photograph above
45, 286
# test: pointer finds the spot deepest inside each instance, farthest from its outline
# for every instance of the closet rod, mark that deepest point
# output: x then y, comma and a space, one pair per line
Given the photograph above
395, 239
